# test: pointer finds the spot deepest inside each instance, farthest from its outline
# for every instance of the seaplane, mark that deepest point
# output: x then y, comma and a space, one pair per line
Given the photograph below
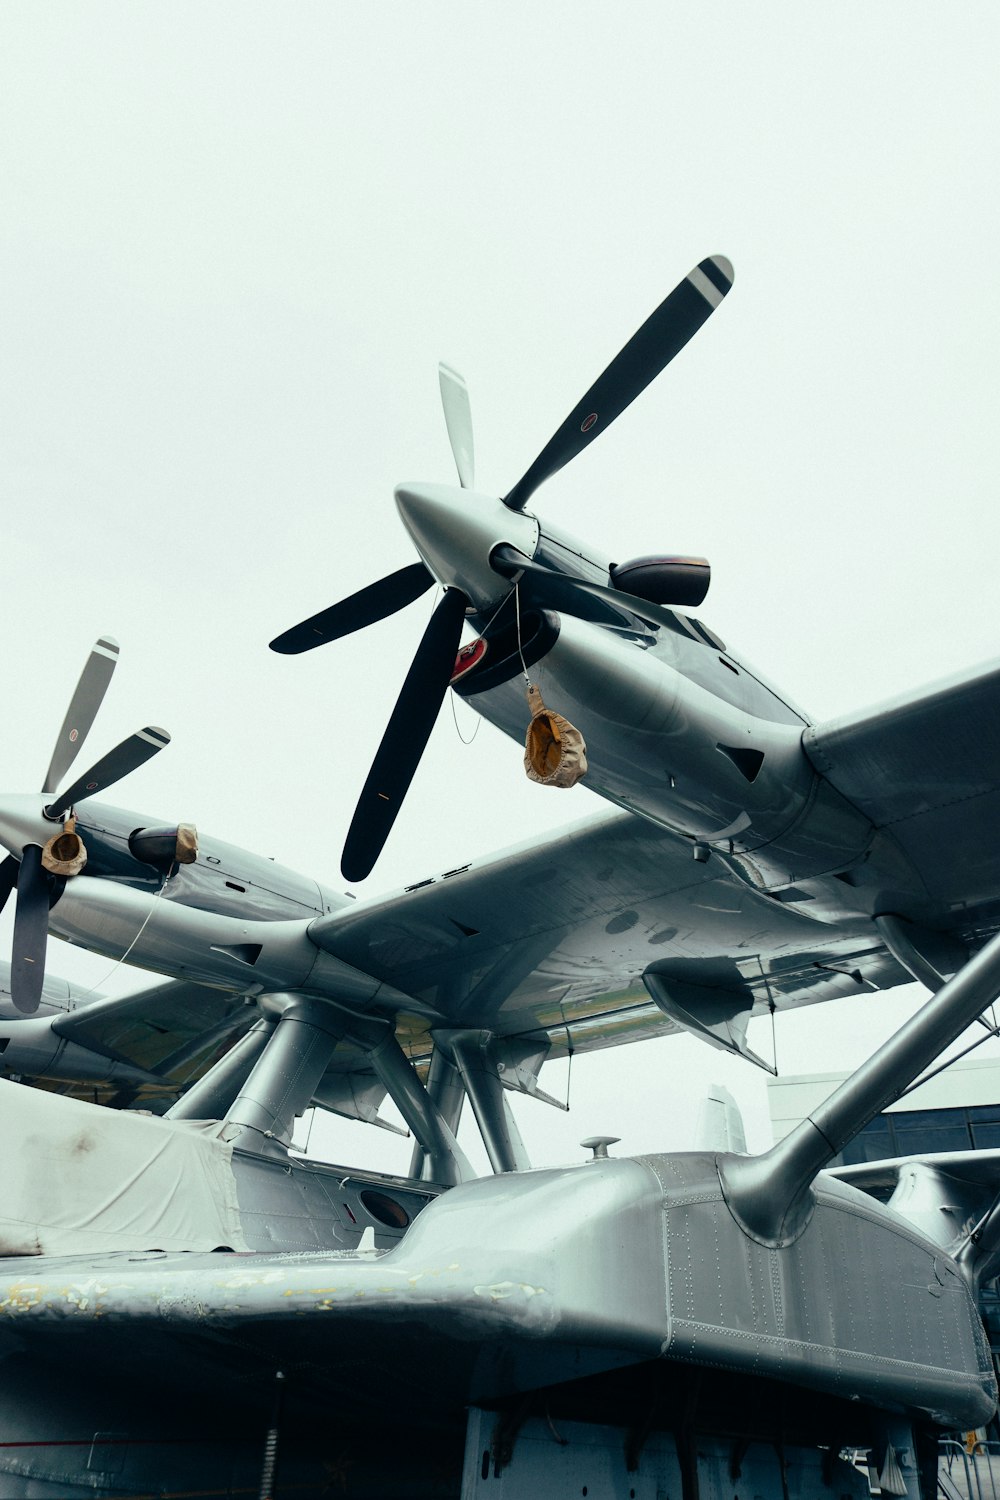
189, 1306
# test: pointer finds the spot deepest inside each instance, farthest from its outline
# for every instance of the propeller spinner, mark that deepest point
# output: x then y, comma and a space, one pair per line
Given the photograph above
476, 547
35, 883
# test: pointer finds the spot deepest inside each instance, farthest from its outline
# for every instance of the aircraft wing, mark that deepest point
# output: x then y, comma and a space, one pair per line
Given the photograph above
611, 932
926, 769
551, 940
169, 1034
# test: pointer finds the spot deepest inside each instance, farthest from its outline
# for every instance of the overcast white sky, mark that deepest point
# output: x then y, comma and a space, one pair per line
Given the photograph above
235, 241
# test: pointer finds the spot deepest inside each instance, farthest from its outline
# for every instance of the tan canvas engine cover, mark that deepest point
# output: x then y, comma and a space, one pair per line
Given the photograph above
554, 750
64, 853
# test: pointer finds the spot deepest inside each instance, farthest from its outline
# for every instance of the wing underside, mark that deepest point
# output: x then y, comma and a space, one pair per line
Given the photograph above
556, 940
172, 1033
925, 769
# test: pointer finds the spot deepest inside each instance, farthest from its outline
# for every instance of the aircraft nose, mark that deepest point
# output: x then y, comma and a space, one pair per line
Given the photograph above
455, 532
23, 822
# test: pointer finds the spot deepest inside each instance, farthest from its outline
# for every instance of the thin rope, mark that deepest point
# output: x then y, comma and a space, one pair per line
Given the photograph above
926, 1077
116, 966
772, 1007
517, 613
479, 720
569, 1051
499, 607
454, 717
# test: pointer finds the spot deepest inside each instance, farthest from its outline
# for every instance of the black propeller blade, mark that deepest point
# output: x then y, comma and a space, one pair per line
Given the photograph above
126, 757
560, 591
375, 602
8, 878
82, 711
663, 335
31, 931
406, 734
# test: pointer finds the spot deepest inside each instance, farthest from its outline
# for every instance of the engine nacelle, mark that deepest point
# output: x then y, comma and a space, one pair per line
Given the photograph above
663, 580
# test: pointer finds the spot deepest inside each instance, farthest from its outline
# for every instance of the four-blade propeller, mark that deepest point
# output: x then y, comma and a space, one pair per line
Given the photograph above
655, 344
36, 886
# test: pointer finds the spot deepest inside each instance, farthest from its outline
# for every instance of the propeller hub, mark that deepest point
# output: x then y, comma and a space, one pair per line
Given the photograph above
23, 821
455, 532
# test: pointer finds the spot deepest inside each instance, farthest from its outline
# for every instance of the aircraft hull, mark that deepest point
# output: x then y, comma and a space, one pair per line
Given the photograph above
620, 1293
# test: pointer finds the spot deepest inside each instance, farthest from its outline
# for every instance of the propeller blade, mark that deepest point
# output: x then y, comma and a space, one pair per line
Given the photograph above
458, 420
406, 734
8, 878
31, 931
82, 711
663, 335
375, 602
560, 591
126, 757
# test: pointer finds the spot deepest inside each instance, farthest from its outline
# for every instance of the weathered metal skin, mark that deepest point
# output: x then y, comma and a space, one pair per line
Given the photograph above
627, 1260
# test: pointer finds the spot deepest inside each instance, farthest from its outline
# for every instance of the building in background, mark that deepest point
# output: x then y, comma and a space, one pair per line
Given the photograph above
958, 1110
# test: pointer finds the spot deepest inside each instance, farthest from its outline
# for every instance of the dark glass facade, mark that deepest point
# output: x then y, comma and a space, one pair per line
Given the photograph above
914, 1132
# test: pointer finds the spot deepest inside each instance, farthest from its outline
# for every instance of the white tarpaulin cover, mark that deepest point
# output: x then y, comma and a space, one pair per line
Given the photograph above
78, 1177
